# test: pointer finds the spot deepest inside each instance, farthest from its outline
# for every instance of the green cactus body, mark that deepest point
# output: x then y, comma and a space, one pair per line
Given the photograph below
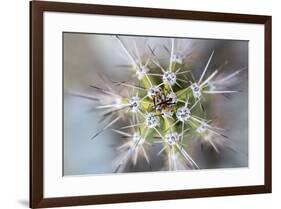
168, 106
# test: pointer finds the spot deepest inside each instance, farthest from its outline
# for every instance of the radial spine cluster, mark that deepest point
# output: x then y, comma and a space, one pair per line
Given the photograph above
166, 107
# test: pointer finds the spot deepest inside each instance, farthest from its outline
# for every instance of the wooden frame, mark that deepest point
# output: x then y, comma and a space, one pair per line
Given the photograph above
37, 9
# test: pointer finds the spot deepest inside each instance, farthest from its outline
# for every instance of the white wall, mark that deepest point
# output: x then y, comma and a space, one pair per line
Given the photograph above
14, 43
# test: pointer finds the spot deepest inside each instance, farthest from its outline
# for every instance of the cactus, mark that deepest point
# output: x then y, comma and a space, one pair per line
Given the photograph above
166, 106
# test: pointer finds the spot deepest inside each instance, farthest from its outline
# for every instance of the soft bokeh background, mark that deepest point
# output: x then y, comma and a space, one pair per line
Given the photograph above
88, 55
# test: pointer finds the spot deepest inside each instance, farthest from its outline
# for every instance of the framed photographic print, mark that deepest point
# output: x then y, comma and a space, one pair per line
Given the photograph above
138, 104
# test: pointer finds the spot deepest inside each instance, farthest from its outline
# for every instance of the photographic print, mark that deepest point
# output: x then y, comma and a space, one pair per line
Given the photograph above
150, 104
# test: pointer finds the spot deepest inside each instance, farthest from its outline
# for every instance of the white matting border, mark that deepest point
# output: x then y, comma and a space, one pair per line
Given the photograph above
56, 186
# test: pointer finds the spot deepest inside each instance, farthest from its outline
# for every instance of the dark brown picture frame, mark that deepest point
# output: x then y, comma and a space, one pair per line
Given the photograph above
37, 9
